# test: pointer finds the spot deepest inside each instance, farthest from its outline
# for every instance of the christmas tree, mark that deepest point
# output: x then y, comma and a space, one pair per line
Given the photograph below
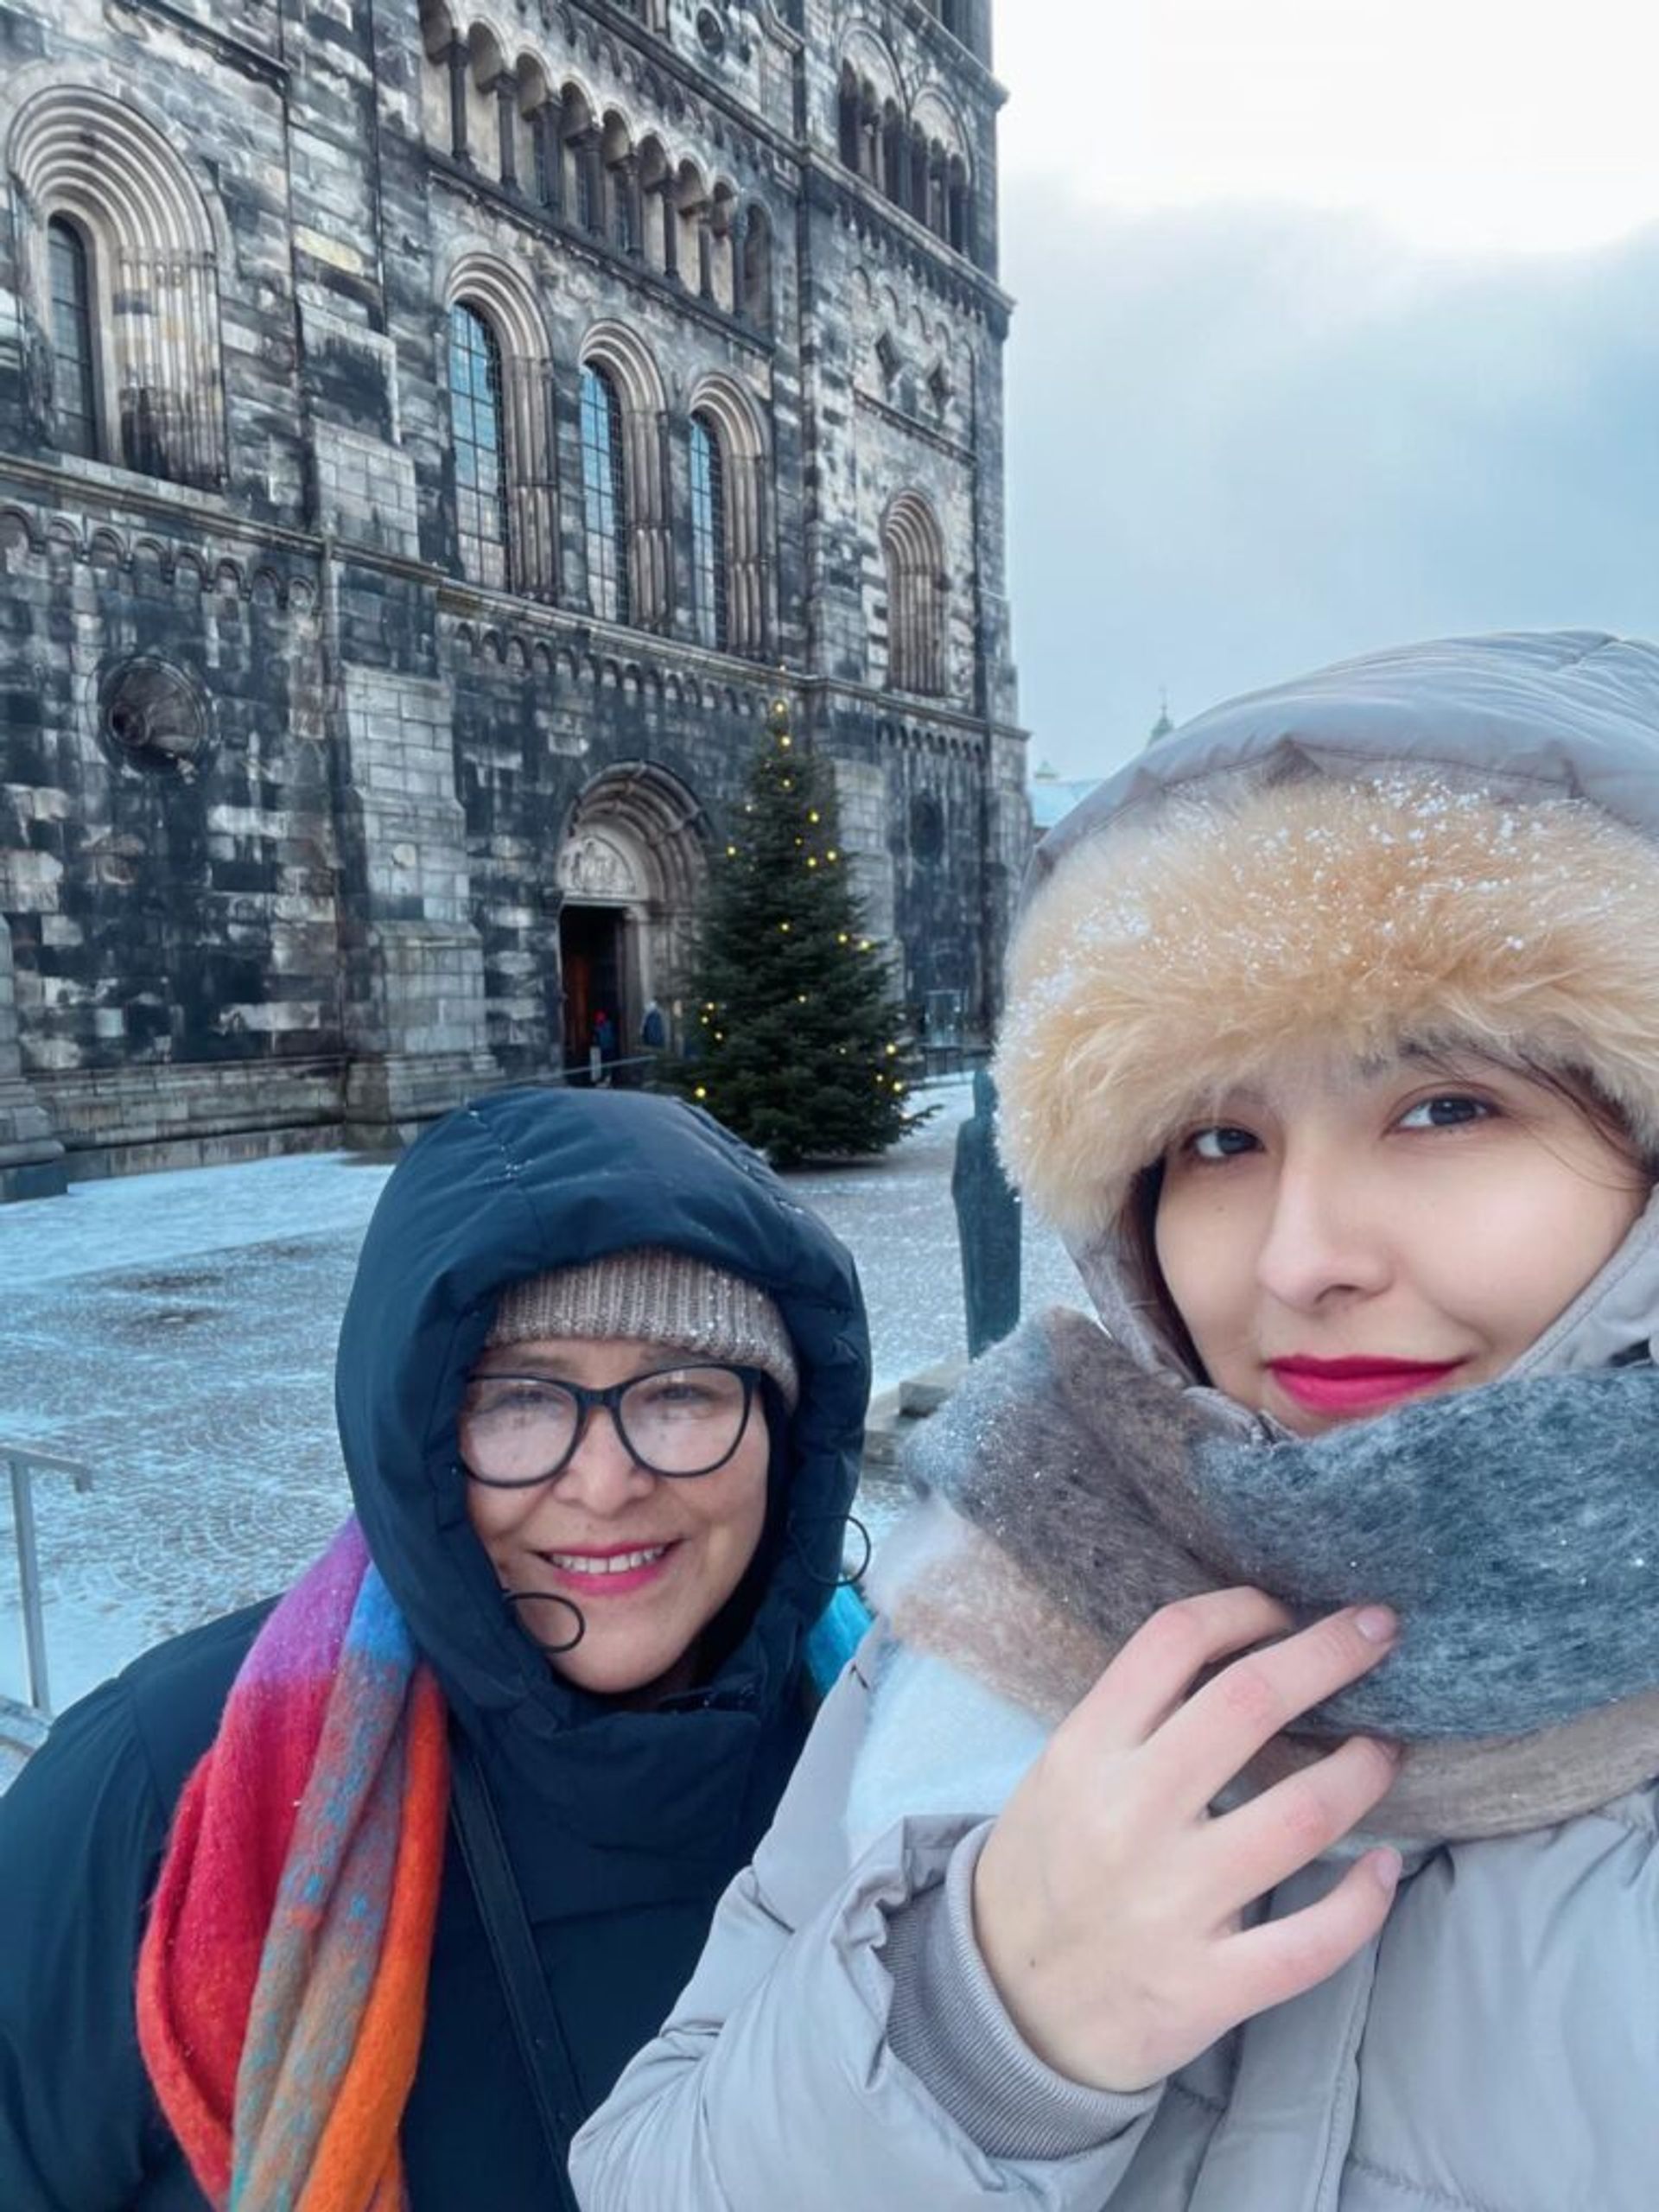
796, 1039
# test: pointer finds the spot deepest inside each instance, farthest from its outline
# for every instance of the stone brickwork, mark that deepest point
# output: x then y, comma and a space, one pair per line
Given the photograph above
354, 751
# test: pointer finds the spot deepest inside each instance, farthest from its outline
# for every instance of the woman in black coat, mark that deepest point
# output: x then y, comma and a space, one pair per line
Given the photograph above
473, 1789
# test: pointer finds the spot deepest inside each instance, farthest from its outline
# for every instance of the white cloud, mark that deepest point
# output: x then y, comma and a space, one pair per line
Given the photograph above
1459, 123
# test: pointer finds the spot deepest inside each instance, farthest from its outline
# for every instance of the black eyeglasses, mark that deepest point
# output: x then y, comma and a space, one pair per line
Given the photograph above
517, 1430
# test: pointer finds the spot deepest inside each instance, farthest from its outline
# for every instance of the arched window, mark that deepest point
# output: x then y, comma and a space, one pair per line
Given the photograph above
74, 354
477, 422
731, 527
500, 378
122, 275
913, 553
847, 113
708, 535
605, 499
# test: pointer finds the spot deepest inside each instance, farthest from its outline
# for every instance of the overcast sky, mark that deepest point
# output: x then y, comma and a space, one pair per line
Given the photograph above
1337, 324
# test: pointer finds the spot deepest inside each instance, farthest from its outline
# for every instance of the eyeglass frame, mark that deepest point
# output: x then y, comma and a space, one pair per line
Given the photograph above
587, 1399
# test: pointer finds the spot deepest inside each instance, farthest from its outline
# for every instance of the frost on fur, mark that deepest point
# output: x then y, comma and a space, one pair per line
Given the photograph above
1164, 963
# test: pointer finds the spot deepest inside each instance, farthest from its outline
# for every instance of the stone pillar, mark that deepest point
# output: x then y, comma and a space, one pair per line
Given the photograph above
459, 63
506, 108
31, 1157
550, 153
705, 254
670, 231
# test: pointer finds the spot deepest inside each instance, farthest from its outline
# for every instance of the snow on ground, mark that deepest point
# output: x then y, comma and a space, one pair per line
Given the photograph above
175, 1333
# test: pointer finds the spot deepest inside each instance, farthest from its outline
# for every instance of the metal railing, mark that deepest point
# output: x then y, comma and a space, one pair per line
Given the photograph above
23, 1462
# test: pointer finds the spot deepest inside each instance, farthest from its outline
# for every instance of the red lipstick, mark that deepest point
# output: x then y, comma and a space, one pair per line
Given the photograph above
1336, 1387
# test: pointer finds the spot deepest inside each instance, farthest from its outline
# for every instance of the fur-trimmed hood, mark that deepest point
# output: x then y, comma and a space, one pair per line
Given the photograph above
1449, 844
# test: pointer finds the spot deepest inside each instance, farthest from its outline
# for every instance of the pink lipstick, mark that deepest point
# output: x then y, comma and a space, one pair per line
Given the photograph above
1336, 1387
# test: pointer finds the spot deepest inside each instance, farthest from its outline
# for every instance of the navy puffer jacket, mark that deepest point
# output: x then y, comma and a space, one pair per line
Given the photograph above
622, 1827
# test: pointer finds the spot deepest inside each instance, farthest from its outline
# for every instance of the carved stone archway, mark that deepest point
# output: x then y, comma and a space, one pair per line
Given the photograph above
634, 849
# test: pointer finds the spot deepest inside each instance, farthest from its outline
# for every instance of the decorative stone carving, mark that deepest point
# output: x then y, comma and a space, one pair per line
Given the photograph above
151, 715
592, 866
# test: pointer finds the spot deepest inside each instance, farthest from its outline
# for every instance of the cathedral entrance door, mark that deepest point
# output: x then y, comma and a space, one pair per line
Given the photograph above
592, 970
629, 873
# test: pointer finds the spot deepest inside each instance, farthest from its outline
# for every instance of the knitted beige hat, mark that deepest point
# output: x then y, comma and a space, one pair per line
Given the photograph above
655, 1297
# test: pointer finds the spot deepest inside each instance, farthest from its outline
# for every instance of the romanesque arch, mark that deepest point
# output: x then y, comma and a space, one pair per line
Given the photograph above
630, 874
614, 349
495, 291
94, 166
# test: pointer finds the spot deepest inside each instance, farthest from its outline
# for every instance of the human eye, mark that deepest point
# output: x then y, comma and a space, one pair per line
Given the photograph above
685, 1394
679, 1388
1447, 1110
1219, 1140
511, 1397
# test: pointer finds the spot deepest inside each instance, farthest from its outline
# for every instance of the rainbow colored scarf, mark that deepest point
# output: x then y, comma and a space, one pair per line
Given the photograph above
281, 1978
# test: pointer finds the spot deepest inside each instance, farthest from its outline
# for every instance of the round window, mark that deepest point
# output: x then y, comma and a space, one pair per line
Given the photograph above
711, 31
151, 715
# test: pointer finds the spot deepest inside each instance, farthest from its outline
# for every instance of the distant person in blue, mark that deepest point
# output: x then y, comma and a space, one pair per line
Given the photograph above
364, 1898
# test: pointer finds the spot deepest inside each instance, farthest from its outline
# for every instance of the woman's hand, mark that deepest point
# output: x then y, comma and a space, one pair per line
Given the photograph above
1107, 1900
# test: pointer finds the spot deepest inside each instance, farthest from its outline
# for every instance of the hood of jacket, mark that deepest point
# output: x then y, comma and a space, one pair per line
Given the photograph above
1449, 844
517, 1184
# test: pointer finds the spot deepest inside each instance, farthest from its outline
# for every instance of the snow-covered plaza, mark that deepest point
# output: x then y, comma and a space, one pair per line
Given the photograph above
175, 1333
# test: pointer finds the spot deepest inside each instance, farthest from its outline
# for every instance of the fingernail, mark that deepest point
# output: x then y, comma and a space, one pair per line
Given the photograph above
1377, 1625
1385, 1865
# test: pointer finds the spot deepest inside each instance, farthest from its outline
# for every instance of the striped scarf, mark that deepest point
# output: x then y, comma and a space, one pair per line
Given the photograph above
281, 1978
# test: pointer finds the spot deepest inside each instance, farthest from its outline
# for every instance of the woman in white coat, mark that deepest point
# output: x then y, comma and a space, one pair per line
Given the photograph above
1246, 1804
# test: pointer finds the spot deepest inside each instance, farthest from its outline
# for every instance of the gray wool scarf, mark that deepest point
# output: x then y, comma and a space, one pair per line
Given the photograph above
1514, 1528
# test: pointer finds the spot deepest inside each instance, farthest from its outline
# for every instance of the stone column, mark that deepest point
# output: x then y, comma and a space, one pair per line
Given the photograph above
670, 231
31, 1157
506, 108
705, 254
459, 63
551, 152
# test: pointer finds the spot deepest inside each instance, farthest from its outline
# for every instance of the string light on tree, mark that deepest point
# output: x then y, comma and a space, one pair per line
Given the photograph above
802, 1057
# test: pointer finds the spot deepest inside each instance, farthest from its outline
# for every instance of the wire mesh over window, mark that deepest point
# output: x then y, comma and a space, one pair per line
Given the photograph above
604, 490
74, 385
477, 425
708, 535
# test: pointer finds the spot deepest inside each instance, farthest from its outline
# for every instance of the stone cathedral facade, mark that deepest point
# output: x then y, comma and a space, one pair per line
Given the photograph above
431, 434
